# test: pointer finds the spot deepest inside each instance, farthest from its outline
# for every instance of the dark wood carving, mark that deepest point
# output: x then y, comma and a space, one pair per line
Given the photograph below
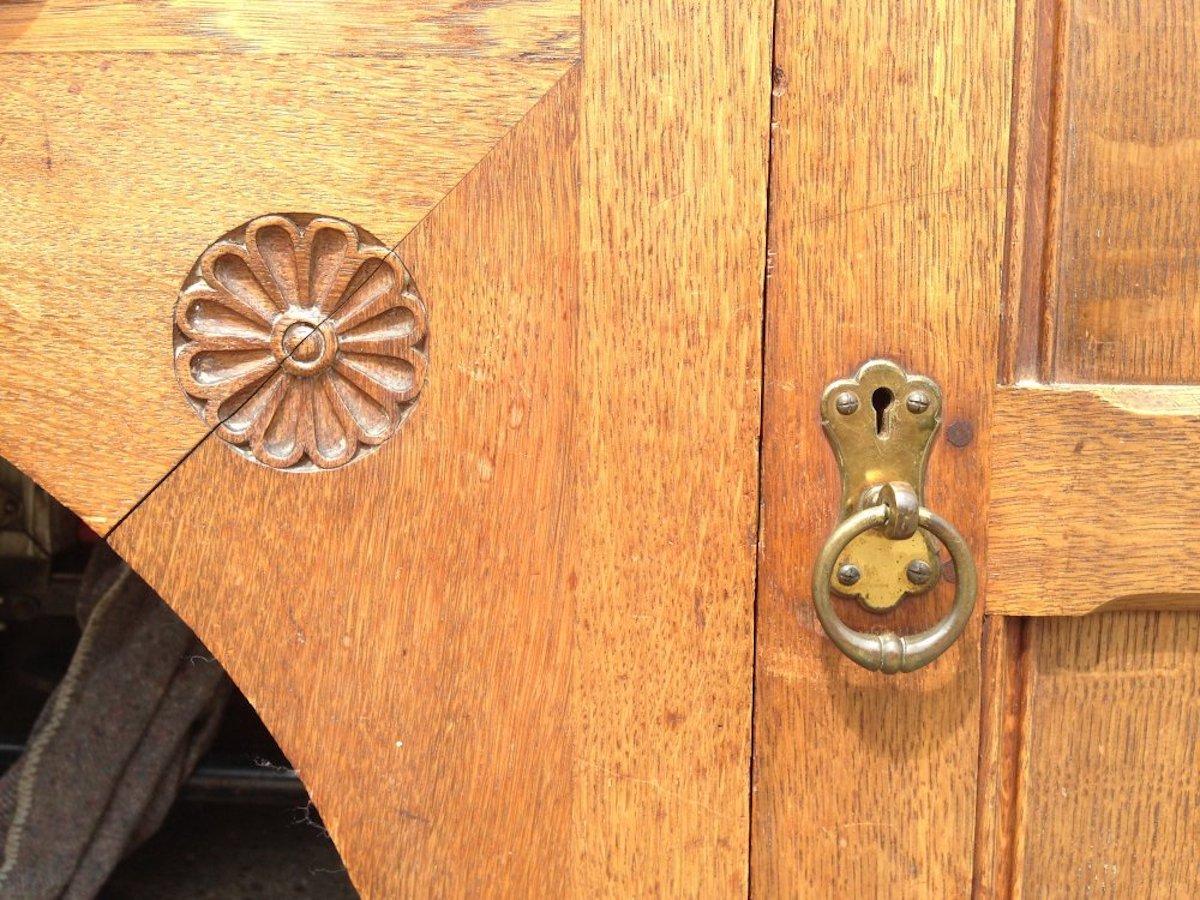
301, 340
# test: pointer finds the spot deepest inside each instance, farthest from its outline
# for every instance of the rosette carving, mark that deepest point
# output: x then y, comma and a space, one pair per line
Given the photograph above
301, 339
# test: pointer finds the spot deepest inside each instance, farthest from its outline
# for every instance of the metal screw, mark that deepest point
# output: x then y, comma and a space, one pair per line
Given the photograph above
919, 571
848, 574
846, 403
918, 402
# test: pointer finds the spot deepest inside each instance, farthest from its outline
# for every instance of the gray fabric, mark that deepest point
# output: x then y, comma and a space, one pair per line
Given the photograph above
138, 706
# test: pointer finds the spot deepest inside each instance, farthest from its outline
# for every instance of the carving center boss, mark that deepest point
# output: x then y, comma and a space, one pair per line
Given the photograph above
302, 346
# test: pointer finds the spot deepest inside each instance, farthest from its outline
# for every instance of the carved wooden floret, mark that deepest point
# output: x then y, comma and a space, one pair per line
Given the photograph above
301, 339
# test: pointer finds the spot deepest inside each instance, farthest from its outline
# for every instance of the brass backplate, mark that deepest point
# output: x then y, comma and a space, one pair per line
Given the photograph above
881, 423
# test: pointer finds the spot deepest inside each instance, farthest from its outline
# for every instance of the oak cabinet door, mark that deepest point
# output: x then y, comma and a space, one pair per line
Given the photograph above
458, 380
1002, 197
887, 227
1091, 713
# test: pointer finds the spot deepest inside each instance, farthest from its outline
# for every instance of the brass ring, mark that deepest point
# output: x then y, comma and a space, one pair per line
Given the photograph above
888, 652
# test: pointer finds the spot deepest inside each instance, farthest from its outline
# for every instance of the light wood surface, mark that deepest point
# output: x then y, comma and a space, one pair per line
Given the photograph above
1090, 502
120, 167
1092, 499
511, 650
1101, 270
500, 31
1003, 664
514, 650
1026, 346
674, 130
888, 191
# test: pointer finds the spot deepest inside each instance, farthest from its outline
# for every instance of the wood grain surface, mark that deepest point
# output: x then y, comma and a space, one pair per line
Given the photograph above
404, 625
1026, 339
1102, 260
887, 216
516, 650
1088, 771
502, 30
1109, 779
674, 132
1092, 499
1128, 226
1004, 666
511, 650
123, 163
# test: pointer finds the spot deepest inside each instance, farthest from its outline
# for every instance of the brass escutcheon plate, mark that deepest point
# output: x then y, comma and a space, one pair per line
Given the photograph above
881, 423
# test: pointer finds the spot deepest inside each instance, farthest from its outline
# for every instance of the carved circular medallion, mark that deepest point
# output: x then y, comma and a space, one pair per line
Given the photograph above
301, 339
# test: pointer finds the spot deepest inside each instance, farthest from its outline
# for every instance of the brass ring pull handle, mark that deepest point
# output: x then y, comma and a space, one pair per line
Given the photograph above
888, 652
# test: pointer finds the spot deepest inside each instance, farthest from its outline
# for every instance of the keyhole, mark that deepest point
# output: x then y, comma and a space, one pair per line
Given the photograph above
881, 399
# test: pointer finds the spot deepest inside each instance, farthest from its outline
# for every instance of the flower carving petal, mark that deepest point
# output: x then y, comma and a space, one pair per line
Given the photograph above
301, 339
329, 258
271, 249
226, 270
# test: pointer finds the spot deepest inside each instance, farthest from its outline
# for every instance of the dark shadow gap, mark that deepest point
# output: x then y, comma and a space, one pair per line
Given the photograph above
241, 824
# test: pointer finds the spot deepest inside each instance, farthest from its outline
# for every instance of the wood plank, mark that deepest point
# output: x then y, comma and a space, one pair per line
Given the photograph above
888, 187
1003, 724
1128, 224
1111, 794
1092, 504
504, 30
675, 130
172, 150
1035, 166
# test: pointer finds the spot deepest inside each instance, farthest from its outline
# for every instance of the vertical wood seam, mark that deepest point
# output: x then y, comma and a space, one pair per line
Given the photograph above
1017, 758
1027, 307
1055, 150
1032, 222
768, 256
987, 781
1015, 220
1003, 735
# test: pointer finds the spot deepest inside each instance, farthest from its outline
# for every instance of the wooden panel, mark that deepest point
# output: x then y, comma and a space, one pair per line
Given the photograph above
1111, 793
1092, 499
888, 185
404, 624
675, 130
1089, 774
121, 167
511, 650
1003, 665
1128, 248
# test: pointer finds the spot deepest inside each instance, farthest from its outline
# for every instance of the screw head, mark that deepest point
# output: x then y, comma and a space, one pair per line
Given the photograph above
848, 574
919, 571
846, 403
918, 402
